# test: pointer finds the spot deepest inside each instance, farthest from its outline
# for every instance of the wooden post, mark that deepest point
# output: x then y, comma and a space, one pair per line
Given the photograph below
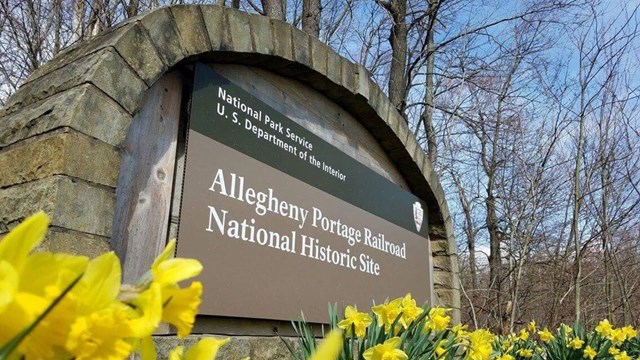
145, 182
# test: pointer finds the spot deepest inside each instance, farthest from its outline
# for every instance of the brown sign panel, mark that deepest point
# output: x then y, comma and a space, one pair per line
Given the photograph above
276, 231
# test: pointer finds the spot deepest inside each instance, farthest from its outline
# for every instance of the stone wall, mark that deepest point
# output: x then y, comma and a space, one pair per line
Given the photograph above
62, 133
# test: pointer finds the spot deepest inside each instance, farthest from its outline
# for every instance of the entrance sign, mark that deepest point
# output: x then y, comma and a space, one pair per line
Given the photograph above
285, 222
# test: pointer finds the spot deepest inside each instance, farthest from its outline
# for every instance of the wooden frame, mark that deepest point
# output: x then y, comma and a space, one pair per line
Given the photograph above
141, 225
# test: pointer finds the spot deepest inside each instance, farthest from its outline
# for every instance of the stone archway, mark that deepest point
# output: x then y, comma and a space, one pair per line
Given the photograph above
62, 133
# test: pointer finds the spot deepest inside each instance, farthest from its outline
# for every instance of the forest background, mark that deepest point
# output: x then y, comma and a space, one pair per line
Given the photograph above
528, 109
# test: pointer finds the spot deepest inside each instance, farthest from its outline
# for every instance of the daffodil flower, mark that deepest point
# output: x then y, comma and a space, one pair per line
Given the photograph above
386, 351
440, 350
589, 352
545, 335
170, 271
629, 332
576, 343
30, 284
182, 307
103, 328
526, 353
479, 345
358, 320
532, 327
387, 313
410, 311
604, 328
622, 356
205, 349
505, 357
437, 320
148, 312
330, 347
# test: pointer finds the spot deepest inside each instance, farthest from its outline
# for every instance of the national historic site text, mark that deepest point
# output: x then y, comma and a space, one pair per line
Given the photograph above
232, 227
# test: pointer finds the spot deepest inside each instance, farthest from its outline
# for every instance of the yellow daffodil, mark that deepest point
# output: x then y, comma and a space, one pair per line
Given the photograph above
100, 285
629, 332
170, 271
330, 347
526, 353
589, 352
524, 335
387, 313
182, 307
437, 320
410, 311
506, 345
19, 242
545, 335
440, 350
148, 312
205, 349
15, 247
49, 336
180, 304
479, 345
614, 350
29, 285
460, 329
386, 351
103, 327
147, 349
101, 335
91, 318
617, 336
622, 356
8, 284
505, 357
532, 327
604, 328
576, 343
358, 320
48, 275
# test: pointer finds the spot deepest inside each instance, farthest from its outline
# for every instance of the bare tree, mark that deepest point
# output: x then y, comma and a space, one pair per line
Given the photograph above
276, 9
397, 10
311, 10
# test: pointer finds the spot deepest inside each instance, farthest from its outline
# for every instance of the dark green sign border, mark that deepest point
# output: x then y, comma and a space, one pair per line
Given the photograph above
362, 187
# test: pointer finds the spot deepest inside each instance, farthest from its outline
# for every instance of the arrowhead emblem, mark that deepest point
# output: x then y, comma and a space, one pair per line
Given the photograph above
418, 215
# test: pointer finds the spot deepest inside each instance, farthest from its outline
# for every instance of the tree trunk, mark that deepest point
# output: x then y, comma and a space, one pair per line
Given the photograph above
79, 8
495, 257
470, 233
427, 113
311, 10
93, 25
132, 8
604, 221
577, 202
275, 9
398, 40
58, 23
